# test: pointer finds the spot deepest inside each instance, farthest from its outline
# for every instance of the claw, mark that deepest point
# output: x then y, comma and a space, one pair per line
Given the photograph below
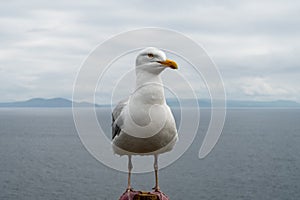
129, 189
156, 189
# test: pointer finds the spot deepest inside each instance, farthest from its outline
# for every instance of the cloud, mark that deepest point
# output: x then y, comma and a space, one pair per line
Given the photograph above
257, 86
254, 43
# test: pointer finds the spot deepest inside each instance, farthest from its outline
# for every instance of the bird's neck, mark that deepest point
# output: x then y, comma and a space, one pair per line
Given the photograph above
144, 78
149, 88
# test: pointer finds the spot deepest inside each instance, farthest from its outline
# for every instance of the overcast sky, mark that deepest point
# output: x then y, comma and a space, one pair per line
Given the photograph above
255, 44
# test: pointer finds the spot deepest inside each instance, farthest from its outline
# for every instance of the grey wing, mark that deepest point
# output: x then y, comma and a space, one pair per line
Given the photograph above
116, 121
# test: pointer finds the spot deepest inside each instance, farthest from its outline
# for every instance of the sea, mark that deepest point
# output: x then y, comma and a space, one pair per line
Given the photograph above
257, 157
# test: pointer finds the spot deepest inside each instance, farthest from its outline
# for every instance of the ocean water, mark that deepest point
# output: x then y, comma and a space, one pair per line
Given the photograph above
257, 157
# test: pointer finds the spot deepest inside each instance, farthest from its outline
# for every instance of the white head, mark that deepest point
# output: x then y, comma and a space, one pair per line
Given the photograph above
153, 60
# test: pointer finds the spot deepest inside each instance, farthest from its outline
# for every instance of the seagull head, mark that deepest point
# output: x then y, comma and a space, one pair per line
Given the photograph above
154, 61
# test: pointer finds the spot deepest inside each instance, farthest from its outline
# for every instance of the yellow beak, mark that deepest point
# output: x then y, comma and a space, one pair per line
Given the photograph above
169, 63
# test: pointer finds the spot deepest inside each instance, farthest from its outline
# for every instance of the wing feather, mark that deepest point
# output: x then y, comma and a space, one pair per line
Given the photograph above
117, 120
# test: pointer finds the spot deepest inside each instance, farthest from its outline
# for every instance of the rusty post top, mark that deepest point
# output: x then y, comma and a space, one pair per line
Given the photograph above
145, 196
142, 195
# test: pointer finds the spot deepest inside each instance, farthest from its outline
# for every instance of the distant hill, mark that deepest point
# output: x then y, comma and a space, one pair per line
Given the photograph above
49, 103
277, 103
235, 103
205, 103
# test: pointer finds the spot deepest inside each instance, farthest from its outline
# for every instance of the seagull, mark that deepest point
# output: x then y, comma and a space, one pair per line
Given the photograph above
143, 124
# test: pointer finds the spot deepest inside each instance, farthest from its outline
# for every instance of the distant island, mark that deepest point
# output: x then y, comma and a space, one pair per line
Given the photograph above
48, 103
236, 103
205, 103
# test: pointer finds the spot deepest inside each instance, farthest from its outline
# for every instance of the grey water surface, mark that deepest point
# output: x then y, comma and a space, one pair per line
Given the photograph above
257, 157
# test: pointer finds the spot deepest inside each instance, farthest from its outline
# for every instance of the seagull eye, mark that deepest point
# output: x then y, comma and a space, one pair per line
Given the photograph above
150, 55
